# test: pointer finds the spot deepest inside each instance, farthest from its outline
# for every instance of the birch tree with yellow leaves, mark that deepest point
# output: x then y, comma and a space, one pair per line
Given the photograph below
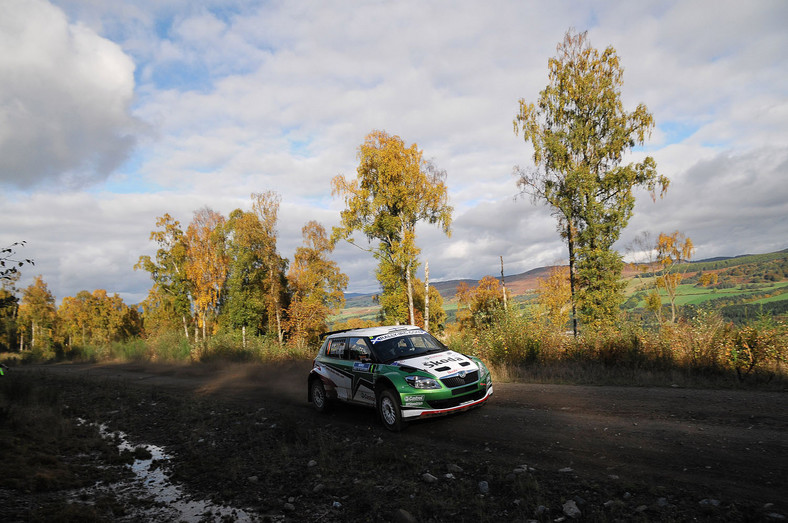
580, 133
395, 188
265, 206
168, 303
316, 283
672, 250
37, 316
206, 265
553, 296
96, 318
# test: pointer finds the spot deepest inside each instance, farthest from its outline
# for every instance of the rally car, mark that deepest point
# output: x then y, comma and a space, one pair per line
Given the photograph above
402, 371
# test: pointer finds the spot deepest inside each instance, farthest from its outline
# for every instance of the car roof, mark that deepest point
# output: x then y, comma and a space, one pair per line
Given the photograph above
374, 331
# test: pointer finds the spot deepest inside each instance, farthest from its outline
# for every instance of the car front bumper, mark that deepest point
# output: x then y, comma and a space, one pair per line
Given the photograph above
425, 410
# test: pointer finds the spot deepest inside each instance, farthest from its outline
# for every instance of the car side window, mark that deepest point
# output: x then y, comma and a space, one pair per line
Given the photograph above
336, 348
357, 349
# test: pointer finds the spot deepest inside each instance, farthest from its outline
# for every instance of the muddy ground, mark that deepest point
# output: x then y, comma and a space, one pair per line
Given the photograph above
245, 436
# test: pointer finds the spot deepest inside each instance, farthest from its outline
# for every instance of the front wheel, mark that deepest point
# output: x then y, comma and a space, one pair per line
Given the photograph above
317, 393
390, 411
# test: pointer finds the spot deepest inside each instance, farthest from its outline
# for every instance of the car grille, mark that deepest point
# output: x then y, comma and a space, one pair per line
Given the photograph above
456, 381
453, 402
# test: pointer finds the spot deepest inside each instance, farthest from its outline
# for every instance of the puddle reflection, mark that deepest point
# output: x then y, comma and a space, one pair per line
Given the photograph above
152, 482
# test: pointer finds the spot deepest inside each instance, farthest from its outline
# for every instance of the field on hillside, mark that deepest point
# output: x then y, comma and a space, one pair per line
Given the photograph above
688, 294
754, 283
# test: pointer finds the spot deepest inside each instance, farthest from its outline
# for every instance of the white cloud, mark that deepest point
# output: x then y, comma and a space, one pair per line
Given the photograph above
248, 96
65, 94
728, 204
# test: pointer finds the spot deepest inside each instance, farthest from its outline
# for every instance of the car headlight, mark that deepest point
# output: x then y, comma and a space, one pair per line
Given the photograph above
421, 382
484, 372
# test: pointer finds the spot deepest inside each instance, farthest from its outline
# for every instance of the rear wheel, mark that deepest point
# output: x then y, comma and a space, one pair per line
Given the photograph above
317, 393
390, 411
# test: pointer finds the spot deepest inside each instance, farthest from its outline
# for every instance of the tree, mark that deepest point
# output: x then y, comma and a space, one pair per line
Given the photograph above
483, 302
266, 207
9, 265
672, 251
206, 264
393, 300
37, 313
246, 287
96, 318
317, 285
428, 299
554, 297
9, 306
395, 188
169, 299
580, 132
75, 313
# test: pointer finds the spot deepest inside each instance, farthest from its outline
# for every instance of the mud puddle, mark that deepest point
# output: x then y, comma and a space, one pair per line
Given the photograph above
151, 495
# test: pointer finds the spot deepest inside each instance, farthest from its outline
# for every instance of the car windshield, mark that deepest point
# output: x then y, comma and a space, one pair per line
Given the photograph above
407, 346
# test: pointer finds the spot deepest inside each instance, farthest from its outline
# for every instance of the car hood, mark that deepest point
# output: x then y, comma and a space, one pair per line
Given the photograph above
439, 364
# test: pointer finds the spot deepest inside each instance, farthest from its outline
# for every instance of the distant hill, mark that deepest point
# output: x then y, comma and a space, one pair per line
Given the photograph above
516, 284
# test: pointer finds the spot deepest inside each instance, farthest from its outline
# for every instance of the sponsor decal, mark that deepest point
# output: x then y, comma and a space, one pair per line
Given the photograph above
438, 363
396, 334
362, 367
414, 399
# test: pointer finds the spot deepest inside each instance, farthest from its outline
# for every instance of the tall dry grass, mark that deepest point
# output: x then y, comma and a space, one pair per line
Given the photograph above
519, 347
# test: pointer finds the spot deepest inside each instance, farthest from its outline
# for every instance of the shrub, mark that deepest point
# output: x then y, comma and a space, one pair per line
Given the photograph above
757, 347
170, 346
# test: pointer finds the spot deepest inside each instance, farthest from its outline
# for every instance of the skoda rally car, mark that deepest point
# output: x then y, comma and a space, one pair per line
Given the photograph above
402, 371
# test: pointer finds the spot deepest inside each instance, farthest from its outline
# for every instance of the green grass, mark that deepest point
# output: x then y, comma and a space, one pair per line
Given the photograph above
364, 313
770, 299
688, 294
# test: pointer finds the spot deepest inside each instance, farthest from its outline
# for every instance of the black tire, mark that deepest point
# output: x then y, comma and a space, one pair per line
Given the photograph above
317, 394
390, 411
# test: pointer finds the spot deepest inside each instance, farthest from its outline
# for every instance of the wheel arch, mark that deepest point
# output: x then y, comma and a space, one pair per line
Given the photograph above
312, 377
383, 383
331, 392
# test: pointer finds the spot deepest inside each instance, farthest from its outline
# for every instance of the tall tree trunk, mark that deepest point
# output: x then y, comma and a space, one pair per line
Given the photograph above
503, 286
571, 242
278, 310
427, 296
408, 280
185, 326
243, 336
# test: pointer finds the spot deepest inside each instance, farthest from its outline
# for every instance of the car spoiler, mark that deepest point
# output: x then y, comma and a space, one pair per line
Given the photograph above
329, 333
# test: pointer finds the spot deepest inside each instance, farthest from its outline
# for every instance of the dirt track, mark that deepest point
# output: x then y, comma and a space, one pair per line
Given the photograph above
724, 445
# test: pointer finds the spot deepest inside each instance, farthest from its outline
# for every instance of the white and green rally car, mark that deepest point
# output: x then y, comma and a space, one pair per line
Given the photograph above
403, 371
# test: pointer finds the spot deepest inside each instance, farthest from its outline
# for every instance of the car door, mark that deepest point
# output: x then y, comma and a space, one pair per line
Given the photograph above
339, 367
362, 389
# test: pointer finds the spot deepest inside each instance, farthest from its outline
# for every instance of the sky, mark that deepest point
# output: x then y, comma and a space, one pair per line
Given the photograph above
113, 113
